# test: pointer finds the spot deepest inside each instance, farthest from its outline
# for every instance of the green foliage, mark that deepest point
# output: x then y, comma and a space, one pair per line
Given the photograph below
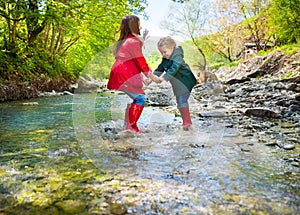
192, 55
154, 59
285, 20
234, 63
194, 59
290, 74
216, 65
289, 49
57, 38
99, 67
71, 38
263, 52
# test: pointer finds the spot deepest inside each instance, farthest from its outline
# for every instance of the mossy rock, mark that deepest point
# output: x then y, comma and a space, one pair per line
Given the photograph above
118, 208
71, 206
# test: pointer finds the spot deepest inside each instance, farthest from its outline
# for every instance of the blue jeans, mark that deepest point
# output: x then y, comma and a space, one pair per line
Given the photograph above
182, 100
139, 99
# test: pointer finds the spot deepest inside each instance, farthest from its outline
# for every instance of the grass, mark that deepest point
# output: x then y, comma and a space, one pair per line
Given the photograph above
286, 49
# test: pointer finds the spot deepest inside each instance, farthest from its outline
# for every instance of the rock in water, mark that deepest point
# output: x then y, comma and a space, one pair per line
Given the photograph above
261, 112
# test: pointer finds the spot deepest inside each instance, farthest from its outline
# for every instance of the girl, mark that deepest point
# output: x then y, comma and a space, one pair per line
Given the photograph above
126, 71
178, 72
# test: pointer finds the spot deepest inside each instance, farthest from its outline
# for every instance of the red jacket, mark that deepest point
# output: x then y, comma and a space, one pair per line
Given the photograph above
126, 71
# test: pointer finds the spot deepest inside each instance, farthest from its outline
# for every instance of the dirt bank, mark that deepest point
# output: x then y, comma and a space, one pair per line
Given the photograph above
11, 90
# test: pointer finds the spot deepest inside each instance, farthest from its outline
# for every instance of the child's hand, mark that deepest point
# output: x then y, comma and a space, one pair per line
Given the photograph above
157, 79
145, 34
147, 81
160, 79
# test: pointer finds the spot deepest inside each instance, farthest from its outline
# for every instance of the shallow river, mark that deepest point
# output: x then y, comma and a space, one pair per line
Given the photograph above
70, 155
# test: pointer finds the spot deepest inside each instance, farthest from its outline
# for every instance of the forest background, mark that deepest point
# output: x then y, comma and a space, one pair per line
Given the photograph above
60, 39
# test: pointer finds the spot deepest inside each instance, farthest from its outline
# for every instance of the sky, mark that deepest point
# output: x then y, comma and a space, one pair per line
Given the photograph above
157, 11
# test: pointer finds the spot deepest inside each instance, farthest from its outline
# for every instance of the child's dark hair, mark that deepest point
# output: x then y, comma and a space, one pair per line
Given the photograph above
129, 25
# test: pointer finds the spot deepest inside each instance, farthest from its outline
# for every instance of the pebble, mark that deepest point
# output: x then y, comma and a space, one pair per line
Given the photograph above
271, 144
30, 103
296, 164
289, 146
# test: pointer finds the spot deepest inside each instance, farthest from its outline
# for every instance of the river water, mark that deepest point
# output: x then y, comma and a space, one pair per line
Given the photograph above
70, 155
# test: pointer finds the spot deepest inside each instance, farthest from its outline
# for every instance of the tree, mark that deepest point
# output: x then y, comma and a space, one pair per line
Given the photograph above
285, 20
255, 16
189, 19
43, 36
237, 22
227, 42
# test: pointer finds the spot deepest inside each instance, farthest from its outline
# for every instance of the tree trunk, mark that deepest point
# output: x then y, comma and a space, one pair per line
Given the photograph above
201, 52
51, 48
34, 25
13, 35
56, 42
61, 44
46, 36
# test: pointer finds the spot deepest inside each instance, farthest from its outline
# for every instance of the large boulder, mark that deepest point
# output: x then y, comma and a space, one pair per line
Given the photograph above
89, 85
276, 65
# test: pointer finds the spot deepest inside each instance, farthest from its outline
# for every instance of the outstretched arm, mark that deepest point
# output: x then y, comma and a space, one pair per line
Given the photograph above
155, 78
151, 78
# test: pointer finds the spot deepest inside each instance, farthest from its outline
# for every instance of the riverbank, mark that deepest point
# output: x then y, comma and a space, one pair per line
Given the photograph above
276, 65
12, 90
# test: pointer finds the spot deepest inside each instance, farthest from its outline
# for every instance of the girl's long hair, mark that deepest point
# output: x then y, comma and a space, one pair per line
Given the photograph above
129, 25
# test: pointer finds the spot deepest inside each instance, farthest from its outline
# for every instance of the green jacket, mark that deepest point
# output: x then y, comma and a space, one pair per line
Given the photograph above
178, 72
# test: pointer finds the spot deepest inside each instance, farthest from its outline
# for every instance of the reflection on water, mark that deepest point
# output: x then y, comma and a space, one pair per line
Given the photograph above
210, 167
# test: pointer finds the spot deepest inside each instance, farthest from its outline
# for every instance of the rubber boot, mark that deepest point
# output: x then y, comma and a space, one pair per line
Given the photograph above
135, 112
126, 119
186, 118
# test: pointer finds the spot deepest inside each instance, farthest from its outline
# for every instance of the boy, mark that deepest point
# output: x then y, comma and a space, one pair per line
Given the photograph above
178, 72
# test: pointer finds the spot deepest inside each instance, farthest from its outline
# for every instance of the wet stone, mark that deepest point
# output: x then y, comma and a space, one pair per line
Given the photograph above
247, 135
271, 144
289, 146
245, 149
30, 103
296, 164
71, 206
260, 112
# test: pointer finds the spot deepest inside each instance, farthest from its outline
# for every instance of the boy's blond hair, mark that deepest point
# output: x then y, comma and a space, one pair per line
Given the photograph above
166, 42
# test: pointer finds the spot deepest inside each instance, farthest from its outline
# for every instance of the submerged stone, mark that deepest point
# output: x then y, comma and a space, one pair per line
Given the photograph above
261, 112
289, 146
71, 206
271, 144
